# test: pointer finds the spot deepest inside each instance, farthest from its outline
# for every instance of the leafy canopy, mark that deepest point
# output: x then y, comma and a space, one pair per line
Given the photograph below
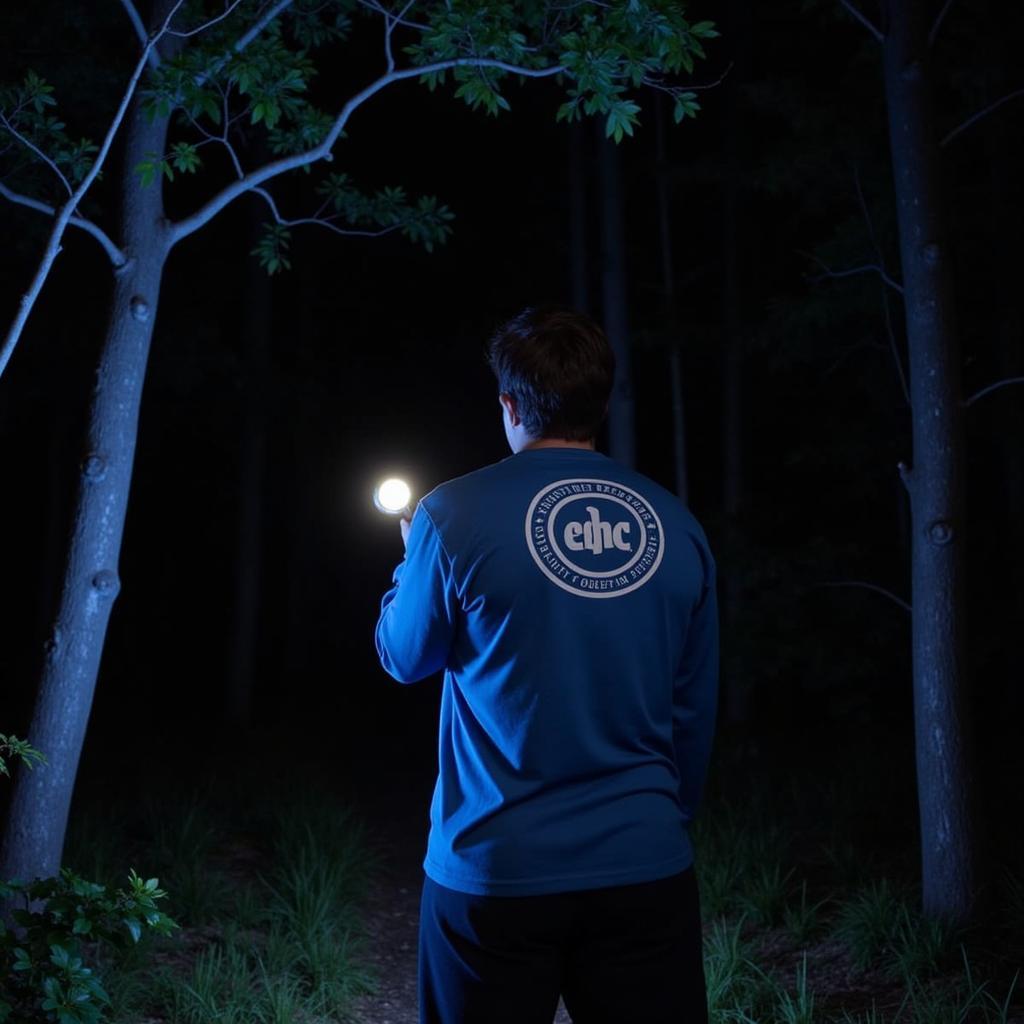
239, 82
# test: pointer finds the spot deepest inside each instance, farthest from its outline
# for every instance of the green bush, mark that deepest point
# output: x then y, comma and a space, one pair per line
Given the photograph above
52, 922
43, 976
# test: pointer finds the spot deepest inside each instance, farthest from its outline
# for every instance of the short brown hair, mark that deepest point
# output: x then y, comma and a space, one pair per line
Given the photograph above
558, 366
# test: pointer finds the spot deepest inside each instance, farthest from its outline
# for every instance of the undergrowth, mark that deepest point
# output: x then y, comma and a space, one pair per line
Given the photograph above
266, 892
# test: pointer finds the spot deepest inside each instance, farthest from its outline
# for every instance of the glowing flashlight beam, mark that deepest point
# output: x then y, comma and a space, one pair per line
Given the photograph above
392, 496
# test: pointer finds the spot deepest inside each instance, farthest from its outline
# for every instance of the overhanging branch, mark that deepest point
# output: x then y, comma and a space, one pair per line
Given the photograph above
66, 214
886, 310
992, 387
937, 23
140, 31
34, 149
116, 255
867, 23
976, 117
863, 585
67, 211
246, 37
864, 268
322, 222
189, 225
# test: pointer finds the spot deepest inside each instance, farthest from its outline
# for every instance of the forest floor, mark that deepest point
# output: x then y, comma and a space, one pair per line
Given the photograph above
773, 953
390, 909
299, 904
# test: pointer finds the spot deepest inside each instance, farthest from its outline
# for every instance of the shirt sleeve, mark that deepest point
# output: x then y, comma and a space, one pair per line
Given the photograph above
417, 622
695, 697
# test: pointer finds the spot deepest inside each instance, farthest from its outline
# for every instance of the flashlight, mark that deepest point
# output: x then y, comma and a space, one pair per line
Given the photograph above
393, 497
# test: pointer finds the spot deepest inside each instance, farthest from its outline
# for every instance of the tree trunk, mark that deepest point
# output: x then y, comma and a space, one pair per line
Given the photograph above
736, 690
256, 334
936, 483
668, 285
1007, 408
41, 799
621, 426
579, 263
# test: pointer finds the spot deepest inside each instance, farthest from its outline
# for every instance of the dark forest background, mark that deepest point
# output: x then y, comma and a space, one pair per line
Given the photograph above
272, 406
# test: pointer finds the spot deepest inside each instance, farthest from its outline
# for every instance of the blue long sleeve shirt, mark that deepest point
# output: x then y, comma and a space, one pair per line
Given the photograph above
571, 605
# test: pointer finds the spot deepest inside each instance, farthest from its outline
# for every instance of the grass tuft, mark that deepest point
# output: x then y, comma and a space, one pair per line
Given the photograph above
868, 921
795, 1007
802, 919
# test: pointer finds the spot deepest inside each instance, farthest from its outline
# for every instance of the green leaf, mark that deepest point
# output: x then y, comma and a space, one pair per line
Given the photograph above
621, 119
704, 29
185, 158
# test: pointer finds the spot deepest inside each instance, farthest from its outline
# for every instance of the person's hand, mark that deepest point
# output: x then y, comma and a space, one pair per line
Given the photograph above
404, 524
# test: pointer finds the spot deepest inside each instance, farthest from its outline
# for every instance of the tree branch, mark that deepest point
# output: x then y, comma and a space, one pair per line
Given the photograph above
398, 19
320, 221
246, 37
116, 255
887, 311
869, 25
990, 388
189, 225
140, 31
32, 147
674, 90
66, 214
937, 23
868, 586
226, 13
975, 118
391, 21
260, 24
67, 211
866, 268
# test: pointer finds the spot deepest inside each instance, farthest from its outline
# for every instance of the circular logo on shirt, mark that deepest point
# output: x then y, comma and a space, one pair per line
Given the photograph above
594, 538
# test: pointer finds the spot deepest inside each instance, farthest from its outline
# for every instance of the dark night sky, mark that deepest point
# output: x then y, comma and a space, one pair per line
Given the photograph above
377, 365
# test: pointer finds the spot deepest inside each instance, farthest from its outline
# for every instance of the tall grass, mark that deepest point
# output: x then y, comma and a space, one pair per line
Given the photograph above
879, 924
312, 892
184, 834
797, 1006
270, 937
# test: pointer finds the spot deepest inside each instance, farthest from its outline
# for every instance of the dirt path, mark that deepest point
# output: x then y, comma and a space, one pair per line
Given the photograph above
391, 908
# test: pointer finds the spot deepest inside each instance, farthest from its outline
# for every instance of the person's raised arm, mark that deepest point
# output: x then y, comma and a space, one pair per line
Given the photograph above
417, 621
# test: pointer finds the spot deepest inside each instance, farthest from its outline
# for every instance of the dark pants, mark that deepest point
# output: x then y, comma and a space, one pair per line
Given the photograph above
616, 955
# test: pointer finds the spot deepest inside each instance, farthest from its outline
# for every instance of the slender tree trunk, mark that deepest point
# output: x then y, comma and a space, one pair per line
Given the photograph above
579, 263
295, 471
1007, 409
621, 412
735, 685
936, 483
256, 334
41, 799
668, 285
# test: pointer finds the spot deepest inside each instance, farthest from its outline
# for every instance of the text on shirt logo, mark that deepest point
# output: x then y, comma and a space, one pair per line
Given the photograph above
597, 535
594, 538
